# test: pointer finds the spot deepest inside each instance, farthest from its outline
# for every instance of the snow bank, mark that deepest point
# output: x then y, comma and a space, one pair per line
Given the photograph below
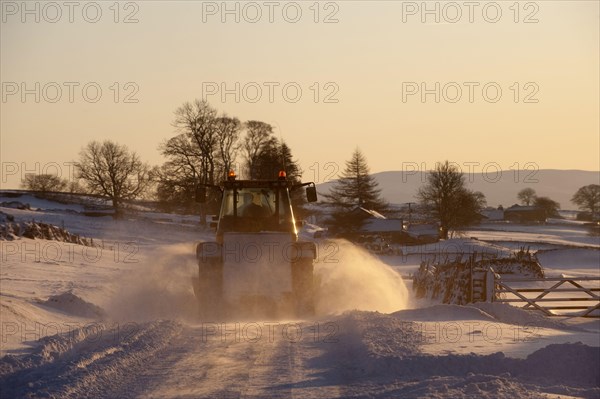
486, 312
48, 349
88, 362
457, 247
378, 351
563, 235
52, 201
505, 313
443, 313
571, 260
72, 304
575, 364
14, 205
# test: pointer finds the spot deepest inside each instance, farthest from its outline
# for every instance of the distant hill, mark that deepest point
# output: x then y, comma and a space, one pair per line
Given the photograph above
500, 188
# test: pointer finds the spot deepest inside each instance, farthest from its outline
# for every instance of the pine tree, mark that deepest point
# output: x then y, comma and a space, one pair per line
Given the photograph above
291, 167
356, 187
274, 157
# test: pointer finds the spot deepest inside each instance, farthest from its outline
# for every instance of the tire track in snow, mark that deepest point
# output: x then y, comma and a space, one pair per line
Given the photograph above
84, 365
201, 366
229, 366
192, 367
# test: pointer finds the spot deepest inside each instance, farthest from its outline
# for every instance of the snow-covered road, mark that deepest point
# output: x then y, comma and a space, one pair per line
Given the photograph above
358, 354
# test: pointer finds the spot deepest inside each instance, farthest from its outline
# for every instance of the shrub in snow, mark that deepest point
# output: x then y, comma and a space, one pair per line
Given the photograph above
522, 263
5, 217
450, 281
11, 231
14, 205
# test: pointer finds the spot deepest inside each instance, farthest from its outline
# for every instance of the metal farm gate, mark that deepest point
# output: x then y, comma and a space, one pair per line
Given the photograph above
548, 294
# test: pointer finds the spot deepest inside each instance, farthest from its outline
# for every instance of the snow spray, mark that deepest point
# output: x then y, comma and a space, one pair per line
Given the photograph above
158, 287
348, 278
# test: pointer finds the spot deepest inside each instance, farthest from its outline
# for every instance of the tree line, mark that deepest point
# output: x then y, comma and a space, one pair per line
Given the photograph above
444, 197
587, 198
207, 144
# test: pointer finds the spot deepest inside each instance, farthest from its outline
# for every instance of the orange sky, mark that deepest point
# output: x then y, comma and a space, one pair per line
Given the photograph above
361, 68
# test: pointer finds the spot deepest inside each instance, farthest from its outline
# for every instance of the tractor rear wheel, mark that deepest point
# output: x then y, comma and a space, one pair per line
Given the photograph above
209, 290
303, 286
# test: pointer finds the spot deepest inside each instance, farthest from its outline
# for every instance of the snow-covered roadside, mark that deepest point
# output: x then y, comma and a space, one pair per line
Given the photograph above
574, 235
49, 287
87, 362
570, 262
36, 275
386, 356
487, 328
142, 228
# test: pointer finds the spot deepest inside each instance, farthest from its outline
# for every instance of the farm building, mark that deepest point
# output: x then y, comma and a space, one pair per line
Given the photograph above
493, 214
525, 214
375, 223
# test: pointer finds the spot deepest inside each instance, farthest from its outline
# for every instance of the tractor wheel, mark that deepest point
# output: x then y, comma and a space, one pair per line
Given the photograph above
209, 290
303, 285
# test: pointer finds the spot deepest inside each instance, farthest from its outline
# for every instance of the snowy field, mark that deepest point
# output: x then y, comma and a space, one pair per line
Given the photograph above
120, 320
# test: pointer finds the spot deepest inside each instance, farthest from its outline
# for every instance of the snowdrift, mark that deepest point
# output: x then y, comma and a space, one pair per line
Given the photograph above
380, 347
86, 362
72, 304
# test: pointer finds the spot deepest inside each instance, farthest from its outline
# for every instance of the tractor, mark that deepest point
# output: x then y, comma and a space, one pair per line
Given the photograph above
256, 265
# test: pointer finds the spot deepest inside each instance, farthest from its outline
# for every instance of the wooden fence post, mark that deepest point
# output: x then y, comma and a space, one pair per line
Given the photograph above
490, 285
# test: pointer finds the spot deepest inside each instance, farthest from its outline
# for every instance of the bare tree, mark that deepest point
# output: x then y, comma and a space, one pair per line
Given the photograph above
178, 177
74, 187
550, 206
113, 170
588, 199
203, 151
181, 172
43, 183
447, 199
526, 196
259, 138
196, 122
228, 134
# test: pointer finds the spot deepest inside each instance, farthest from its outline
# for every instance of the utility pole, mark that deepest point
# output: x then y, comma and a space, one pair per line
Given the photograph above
410, 211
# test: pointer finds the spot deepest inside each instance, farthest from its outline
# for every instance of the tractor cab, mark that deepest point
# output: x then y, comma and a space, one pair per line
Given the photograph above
259, 205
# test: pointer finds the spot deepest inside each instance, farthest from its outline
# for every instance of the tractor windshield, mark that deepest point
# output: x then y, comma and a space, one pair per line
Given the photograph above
256, 209
250, 202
